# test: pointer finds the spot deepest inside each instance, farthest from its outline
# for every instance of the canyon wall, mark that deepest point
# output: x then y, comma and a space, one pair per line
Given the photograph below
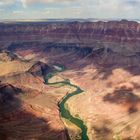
102, 58
112, 34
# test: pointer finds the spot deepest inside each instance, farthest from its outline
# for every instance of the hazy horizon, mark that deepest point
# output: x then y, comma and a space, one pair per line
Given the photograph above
65, 20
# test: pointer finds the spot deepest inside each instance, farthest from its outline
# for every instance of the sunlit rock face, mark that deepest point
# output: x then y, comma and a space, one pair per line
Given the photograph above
102, 58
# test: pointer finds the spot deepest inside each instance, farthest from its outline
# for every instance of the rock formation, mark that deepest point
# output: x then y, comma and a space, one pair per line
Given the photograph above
23, 113
100, 57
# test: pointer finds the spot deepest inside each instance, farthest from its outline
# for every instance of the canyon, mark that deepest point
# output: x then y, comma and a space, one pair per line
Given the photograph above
101, 58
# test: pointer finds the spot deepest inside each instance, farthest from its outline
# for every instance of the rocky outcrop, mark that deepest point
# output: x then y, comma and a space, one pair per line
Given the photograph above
8, 97
7, 56
26, 107
40, 69
22, 120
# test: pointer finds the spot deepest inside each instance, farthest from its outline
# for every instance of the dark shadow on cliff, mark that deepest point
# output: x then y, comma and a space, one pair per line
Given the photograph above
8, 97
123, 96
78, 56
19, 123
103, 59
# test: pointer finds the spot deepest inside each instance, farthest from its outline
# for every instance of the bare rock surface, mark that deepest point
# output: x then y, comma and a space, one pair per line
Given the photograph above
102, 58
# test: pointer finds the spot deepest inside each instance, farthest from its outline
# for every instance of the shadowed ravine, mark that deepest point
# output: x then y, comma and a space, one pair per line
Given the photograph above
65, 113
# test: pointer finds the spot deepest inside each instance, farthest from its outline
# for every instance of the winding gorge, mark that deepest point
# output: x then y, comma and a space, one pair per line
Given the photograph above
63, 110
70, 80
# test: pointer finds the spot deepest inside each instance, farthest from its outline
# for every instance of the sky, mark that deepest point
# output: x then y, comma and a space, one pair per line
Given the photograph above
45, 9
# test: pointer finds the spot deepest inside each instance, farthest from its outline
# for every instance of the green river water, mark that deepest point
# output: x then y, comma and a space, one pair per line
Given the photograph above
65, 113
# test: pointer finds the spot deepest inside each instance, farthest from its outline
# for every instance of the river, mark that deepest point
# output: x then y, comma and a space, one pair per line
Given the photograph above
65, 113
